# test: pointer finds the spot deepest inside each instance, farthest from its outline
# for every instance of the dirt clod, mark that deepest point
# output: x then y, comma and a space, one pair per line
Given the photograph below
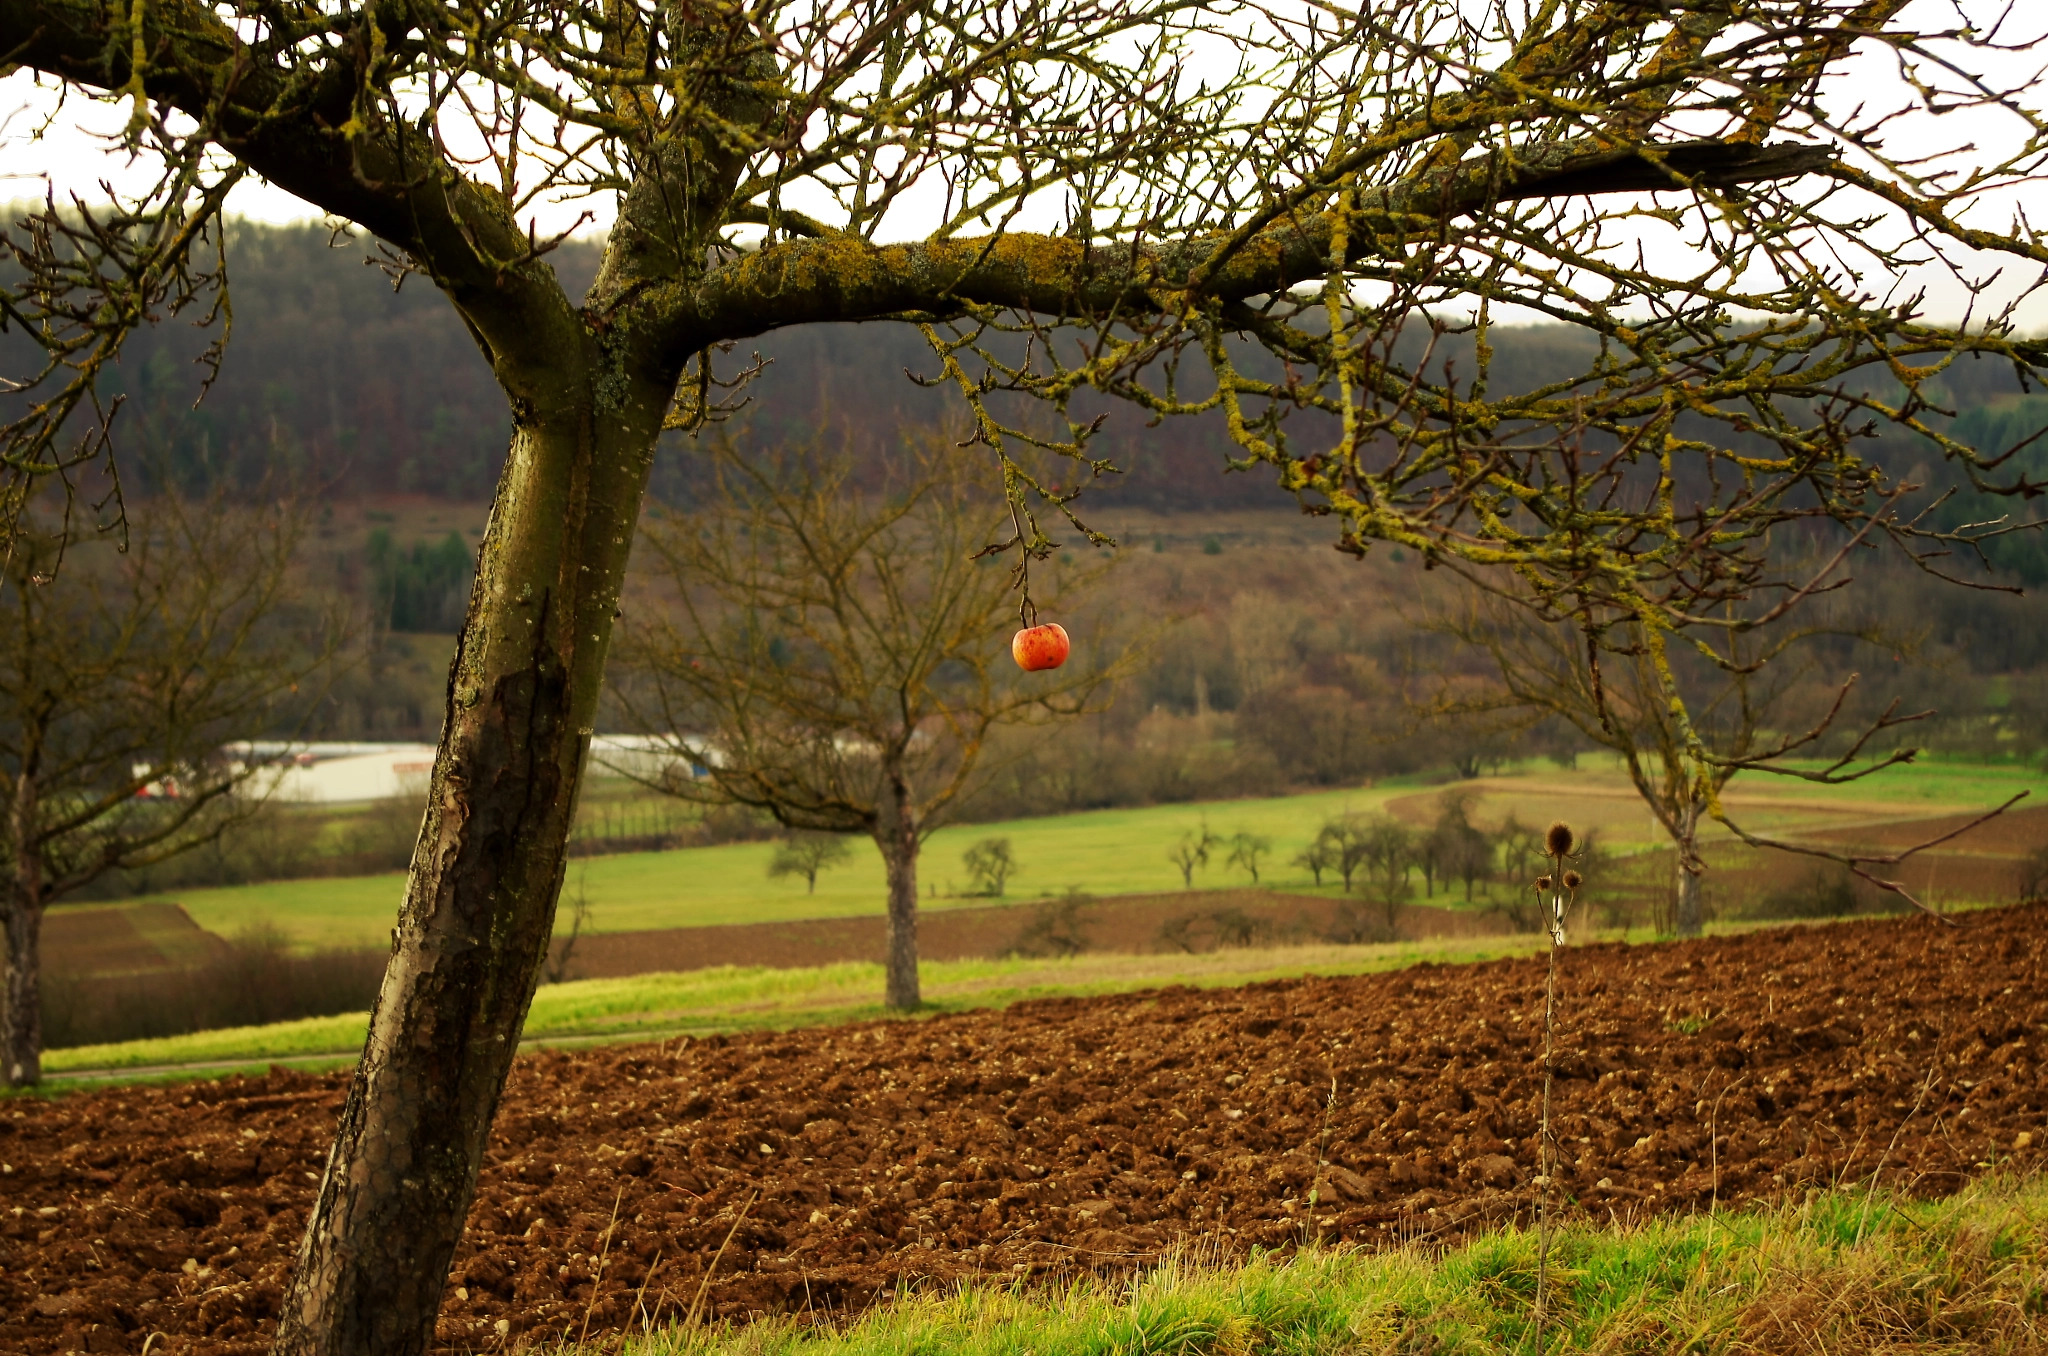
1067, 1134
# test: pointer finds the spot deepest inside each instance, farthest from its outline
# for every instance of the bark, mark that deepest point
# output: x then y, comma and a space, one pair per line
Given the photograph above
21, 1034
806, 281
896, 835
1686, 912
487, 869
21, 1020
1685, 916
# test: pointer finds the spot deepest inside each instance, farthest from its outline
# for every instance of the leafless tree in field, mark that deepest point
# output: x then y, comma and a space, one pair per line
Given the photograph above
806, 852
122, 675
1751, 702
838, 659
1280, 215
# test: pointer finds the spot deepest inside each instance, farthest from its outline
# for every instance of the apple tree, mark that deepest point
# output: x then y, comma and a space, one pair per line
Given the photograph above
1306, 221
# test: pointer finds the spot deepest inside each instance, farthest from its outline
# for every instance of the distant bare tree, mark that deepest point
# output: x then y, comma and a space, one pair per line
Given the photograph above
1348, 840
1387, 851
1190, 852
122, 675
839, 658
806, 852
1457, 848
1247, 850
1319, 856
991, 862
1751, 703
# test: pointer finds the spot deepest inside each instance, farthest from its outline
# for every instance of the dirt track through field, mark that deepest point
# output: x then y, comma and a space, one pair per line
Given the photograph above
1068, 1134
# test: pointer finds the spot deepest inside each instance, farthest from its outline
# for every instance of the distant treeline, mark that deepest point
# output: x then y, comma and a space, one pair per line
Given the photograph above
334, 378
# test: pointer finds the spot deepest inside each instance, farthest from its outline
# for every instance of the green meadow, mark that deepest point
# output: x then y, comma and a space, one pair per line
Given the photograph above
1104, 852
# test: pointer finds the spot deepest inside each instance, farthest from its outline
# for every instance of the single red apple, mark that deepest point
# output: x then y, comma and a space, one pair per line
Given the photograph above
1041, 647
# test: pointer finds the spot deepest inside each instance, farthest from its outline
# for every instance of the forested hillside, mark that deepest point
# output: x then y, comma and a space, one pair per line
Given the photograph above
333, 378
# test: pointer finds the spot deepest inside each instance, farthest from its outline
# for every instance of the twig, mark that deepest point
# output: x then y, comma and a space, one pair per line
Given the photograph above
1714, 1148
639, 1303
603, 1254
1926, 1084
690, 1319
1315, 1185
1856, 861
1544, 1155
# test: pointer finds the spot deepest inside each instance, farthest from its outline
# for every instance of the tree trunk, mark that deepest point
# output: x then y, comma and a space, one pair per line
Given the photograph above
896, 835
21, 1027
487, 867
1687, 913
21, 1019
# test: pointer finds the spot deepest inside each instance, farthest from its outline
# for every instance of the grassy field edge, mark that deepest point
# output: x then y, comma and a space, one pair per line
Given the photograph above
1841, 1272
729, 998
743, 998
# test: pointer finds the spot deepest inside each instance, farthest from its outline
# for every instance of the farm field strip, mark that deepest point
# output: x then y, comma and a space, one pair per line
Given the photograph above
734, 998
1068, 1136
1105, 852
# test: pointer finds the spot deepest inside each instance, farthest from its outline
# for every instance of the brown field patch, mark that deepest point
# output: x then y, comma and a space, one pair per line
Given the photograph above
2012, 834
120, 939
1069, 1134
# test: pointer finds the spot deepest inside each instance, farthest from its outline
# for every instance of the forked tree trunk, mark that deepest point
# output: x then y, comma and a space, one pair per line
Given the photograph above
487, 867
21, 1018
896, 835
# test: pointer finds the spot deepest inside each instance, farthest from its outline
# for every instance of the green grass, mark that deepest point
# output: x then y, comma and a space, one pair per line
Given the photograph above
1840, 1273
732, 997
1105, 852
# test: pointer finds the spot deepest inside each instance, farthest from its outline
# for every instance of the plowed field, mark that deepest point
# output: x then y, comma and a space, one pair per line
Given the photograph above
834, 1165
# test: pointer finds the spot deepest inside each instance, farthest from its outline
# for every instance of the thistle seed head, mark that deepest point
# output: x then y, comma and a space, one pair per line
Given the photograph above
1558, 841
1572, 880
1543, 885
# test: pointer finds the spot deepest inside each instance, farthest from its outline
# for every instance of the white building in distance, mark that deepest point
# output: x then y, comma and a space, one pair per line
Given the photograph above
336, 773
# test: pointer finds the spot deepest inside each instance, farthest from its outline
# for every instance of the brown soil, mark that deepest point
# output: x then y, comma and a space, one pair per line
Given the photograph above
1125, 924
1069, 1134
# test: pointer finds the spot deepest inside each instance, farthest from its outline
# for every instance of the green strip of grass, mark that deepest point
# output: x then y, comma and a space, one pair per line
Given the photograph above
1841, 1273
1104, 852
732, 997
